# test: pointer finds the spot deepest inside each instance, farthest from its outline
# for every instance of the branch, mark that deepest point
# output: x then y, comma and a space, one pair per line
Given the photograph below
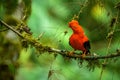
11, 28
65, 53
34, 42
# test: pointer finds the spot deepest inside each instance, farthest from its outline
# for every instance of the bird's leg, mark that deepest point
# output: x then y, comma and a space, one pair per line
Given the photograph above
71, 53
83, 54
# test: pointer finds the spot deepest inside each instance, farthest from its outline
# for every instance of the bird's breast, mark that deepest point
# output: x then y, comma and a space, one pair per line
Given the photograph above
76, 41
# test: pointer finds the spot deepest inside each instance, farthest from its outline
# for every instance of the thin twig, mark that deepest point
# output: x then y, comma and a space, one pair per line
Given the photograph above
113, 25
81, 9
83, 6
11, 28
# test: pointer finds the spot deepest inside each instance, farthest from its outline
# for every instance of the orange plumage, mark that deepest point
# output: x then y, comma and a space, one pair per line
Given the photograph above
78, 40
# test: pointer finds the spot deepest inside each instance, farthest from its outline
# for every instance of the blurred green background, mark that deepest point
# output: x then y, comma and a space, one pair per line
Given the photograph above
50, 18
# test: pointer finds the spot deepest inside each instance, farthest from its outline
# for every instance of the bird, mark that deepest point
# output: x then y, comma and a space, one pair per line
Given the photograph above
78, 40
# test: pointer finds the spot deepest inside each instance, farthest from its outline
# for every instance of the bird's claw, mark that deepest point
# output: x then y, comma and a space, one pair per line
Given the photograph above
71, 53
83, 55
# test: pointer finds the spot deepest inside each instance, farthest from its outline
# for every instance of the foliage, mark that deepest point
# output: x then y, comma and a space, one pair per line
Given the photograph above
48, 24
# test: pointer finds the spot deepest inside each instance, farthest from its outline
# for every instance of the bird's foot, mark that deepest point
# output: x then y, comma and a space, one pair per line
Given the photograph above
83, 54
71, 53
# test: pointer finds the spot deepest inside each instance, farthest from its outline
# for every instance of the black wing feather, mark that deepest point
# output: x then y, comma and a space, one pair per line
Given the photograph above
87, 46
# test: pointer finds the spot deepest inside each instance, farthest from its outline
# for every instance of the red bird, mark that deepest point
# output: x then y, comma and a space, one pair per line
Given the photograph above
78, 40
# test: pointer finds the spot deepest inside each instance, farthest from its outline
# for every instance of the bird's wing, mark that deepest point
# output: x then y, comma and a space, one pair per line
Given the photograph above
87, 46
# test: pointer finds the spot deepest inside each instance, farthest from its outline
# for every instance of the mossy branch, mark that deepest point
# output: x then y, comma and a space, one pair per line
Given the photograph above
35, 43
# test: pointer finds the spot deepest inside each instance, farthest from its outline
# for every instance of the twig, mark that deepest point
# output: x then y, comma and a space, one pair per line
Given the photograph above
65, 53
11, 28
39, 37
81, 9
83, 6
110, 37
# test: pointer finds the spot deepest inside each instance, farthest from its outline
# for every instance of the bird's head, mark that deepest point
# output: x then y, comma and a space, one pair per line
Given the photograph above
74, 25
